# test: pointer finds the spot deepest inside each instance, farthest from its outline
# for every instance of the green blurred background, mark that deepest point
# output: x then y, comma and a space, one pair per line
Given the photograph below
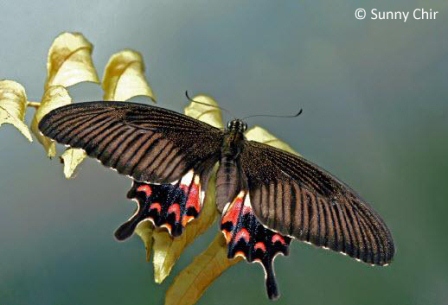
374, 95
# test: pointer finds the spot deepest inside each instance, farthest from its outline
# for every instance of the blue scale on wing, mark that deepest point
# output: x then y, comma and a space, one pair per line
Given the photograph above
170, 206
247, 237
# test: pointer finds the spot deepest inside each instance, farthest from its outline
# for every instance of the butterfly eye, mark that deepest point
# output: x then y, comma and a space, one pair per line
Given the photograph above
229, 125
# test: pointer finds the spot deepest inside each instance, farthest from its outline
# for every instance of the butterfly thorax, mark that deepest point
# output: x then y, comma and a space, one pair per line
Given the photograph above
229, 175
233, 140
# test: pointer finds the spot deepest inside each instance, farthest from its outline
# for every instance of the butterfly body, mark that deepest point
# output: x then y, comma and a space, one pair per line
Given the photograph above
266, 196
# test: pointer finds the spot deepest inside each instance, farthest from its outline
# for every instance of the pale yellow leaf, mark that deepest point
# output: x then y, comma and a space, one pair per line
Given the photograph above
54, 97
167, 250
192, 281
71, 158
208, 114
69, 61
145, 230
124, 77
261, 135
13, 106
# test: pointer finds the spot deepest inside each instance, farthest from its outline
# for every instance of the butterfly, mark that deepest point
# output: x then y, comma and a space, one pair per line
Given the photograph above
266, 196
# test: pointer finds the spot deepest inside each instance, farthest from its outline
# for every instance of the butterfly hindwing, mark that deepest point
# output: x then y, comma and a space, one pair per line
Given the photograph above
247, 237
296, 198
170, 205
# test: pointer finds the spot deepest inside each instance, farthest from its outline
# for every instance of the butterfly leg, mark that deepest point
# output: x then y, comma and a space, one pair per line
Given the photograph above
247, 237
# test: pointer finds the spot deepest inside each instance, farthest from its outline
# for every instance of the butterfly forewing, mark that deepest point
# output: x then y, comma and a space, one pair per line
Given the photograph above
148, 143
298, 199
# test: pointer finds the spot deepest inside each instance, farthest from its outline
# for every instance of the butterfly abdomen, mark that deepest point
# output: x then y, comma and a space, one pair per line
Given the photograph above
229, 180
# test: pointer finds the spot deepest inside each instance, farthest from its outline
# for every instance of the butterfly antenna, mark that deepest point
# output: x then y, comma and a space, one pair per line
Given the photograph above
274, 116
205, 104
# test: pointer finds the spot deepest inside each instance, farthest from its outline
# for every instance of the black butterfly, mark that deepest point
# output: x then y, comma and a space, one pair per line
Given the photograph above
266, 196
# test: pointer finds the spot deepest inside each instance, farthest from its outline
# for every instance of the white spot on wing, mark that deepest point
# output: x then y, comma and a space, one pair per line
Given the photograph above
137, 210
187, 178
224, 211
202, 197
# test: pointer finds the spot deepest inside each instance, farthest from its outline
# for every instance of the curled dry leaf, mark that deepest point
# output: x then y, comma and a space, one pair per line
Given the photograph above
54, 97
166, 249
13, 106
71, 158
145, 230
124, 77
69, 61
208, 114
191, 283
261, 135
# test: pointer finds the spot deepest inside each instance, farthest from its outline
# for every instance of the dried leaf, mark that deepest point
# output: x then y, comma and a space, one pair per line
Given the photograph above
261, 135
145, 230
168, 250
54, 97
71, 158
208, 114
13, 106
124, 77
191, 283
69, 61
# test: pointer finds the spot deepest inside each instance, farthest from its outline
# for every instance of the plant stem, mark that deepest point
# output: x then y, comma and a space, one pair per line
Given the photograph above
33, 104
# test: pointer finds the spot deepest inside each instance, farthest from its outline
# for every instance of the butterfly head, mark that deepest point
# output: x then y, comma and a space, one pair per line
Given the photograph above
236, 125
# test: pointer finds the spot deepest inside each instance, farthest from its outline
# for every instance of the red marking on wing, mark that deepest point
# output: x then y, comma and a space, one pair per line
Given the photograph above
233, 212
175, 208
242, 234
146, 189
241, 254
167, 226
260, 245
247, 209
186, 219
155, 206
193, 197
278, 237
227, 235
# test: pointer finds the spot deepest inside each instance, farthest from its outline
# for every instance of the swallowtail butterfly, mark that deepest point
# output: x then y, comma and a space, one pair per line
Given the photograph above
266, 196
